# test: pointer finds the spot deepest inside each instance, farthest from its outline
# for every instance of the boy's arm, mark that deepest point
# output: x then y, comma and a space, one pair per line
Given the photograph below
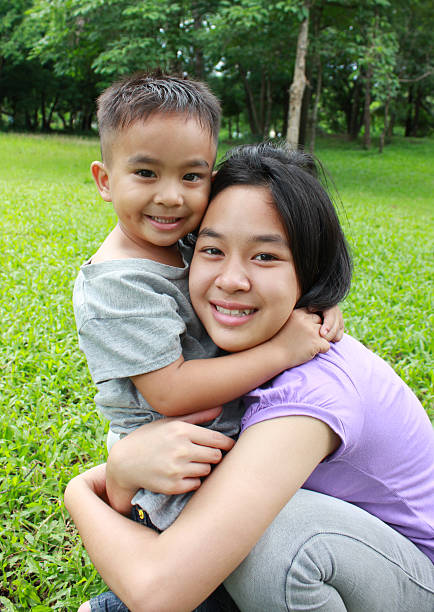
332, 328
188, 386
174, 456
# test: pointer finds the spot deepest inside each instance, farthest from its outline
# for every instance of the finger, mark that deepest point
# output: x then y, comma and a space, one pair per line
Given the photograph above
185, 485
332, 334
205, 454
197, 470
327, 332
339, 334
210, 438
316, 318
203, 416
203, 436
323, 346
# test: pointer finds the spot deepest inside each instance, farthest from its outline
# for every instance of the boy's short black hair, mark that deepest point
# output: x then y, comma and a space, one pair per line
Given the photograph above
319, 249
136, 97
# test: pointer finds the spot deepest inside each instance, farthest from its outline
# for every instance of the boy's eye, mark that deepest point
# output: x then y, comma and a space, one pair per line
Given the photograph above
191, 177
265, 257
146, 173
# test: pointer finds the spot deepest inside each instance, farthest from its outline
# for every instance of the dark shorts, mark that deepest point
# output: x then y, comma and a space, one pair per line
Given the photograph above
218, 601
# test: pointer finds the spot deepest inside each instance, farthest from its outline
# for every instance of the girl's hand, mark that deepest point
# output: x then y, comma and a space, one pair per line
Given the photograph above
167, 456
300, 337
332, 328
93, 479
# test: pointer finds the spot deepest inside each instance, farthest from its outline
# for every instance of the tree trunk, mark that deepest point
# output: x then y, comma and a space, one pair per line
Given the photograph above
229, 128
367, 110
298, 84
43, 113
199, 63
316, 103
408, 121
417, 107
304, 116
285, 111
50, 114
262, 103
391, 125
384, 133
268, 106
355, 114
63, 120
251, 108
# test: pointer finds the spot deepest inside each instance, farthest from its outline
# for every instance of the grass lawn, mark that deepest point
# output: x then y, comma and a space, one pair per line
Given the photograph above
52, 219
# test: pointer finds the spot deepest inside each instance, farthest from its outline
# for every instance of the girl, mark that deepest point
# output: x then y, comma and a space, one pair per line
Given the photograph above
359, 534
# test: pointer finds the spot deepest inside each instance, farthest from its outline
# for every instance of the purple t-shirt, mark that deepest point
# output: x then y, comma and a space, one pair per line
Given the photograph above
385, 462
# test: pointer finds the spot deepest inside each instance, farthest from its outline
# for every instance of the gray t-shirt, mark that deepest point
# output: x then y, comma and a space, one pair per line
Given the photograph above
134, 316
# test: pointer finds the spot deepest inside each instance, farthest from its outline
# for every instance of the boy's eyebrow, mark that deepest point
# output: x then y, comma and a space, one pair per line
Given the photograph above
145, 159
270, 238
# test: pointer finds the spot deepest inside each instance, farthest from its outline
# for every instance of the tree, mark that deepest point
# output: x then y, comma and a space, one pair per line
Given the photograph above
298, 84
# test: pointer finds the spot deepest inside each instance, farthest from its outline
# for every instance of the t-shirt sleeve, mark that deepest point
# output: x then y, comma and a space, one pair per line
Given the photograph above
316, 389
125, 327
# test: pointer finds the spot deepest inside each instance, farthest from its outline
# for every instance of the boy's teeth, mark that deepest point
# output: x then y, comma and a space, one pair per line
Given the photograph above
165, 219
234, 313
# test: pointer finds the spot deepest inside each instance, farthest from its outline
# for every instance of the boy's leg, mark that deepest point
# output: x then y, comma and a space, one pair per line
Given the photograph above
107, 602
324, 555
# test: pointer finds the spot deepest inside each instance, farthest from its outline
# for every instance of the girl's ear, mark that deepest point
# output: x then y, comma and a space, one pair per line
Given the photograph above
214, 172
101, 178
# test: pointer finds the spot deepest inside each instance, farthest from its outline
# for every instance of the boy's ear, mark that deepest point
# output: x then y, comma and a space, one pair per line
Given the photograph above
101, 178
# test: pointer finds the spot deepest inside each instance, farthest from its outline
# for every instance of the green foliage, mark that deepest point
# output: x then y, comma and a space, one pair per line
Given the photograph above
57, 55
52, 220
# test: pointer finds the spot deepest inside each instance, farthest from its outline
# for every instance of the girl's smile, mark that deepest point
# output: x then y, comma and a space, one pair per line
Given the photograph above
243, 284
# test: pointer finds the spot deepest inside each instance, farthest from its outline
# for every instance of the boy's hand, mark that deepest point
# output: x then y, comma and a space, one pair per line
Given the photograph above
332, 328
167, 456
300, 337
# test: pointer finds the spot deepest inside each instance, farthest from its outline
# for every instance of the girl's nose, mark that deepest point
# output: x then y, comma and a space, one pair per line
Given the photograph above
233, 278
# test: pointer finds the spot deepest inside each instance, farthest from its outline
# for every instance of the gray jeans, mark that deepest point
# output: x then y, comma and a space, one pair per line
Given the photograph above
325, 555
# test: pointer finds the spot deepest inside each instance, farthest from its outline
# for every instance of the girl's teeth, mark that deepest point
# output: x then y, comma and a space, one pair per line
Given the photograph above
234, 313
164, 219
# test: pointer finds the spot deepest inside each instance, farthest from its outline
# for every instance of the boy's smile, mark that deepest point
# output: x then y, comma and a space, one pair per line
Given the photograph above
243, 284
158, 177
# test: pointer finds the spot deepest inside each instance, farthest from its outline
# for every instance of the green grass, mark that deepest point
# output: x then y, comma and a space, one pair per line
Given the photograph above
52, 219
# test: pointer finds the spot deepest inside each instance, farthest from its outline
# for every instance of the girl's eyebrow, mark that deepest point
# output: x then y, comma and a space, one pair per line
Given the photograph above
209, 233
269, 238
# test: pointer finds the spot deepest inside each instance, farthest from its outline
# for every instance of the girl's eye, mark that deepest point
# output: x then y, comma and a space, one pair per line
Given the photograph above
146, 173
265, 257
212, 251
191, 177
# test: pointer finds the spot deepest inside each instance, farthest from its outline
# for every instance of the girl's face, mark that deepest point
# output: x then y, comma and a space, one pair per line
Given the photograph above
243, 284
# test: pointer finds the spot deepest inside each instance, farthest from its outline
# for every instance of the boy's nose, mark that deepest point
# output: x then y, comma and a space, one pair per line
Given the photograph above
169, 195
233, 278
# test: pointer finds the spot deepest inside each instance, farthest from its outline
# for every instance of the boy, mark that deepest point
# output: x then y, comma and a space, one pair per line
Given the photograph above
146, 350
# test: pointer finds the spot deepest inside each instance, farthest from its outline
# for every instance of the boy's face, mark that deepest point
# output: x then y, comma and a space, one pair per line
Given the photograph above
158, 177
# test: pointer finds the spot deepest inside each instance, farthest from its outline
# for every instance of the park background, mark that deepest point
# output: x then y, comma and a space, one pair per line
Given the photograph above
366, 85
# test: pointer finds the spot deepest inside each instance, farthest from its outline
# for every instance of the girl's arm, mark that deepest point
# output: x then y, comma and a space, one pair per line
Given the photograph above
178, 569
188, 386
